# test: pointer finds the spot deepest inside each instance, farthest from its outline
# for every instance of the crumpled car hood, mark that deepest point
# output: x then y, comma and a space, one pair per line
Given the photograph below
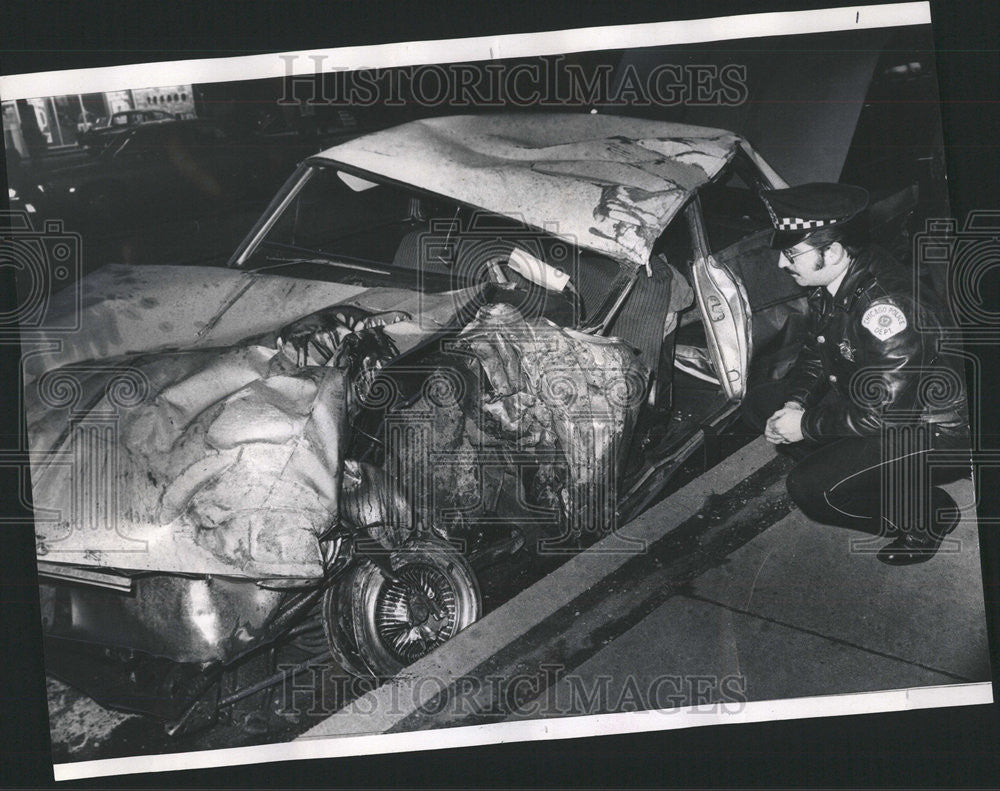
206, 462
604, 182
186, 448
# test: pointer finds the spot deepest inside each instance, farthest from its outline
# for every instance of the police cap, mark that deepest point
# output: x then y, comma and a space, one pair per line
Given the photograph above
798, 211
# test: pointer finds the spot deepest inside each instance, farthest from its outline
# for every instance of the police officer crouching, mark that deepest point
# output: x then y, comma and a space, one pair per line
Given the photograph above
875, 414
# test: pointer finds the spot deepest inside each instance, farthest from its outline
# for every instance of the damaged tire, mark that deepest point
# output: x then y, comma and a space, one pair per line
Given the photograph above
432, 595
340, 632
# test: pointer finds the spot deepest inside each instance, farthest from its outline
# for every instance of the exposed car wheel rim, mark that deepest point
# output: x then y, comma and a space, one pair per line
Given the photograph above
397, 621
415, 612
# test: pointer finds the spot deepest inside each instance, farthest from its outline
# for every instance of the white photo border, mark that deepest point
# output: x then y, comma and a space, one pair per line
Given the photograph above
278, 65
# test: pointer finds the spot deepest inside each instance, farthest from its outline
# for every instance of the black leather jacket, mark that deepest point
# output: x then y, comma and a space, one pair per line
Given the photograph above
879, 349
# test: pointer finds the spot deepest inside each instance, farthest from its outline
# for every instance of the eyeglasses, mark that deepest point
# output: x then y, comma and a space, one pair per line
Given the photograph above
792, 256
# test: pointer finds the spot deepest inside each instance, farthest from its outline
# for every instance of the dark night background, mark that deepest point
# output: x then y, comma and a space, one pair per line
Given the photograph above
932, 747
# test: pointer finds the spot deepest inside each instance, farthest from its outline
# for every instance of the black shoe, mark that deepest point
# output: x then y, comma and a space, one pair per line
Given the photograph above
910, 548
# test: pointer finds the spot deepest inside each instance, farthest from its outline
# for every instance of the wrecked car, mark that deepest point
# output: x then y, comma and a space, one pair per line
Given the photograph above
441, 344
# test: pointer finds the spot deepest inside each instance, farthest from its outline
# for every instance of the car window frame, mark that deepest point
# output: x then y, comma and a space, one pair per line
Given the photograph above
618, 289
699, 231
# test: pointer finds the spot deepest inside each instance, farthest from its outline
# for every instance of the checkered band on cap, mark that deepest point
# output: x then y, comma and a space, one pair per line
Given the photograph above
807, 207
798, 224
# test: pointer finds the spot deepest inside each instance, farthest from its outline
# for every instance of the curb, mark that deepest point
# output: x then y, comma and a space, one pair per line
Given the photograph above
381, 709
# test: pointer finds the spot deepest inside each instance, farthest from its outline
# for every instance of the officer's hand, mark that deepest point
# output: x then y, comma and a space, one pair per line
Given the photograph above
788, 424
785, 425
769, 433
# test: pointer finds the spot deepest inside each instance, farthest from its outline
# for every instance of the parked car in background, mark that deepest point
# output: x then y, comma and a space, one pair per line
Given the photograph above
162, 171
87, 120
101, 131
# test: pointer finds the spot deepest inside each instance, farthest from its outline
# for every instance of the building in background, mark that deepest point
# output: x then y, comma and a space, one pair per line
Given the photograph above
175, 99
54, 123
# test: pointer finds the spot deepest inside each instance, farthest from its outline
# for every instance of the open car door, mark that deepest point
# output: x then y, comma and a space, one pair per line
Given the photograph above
725, 311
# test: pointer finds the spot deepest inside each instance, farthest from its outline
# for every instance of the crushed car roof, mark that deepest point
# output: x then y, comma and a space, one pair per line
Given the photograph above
604, 182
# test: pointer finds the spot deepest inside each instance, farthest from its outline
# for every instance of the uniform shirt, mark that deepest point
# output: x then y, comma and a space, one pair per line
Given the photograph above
877, 347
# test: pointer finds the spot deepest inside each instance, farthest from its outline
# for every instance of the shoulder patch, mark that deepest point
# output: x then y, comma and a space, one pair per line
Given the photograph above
883, 321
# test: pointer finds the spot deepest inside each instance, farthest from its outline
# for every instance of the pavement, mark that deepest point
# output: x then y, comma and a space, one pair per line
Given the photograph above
723, 595
78, 724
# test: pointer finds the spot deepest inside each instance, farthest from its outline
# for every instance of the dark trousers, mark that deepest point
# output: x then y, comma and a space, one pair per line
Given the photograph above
884, 484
